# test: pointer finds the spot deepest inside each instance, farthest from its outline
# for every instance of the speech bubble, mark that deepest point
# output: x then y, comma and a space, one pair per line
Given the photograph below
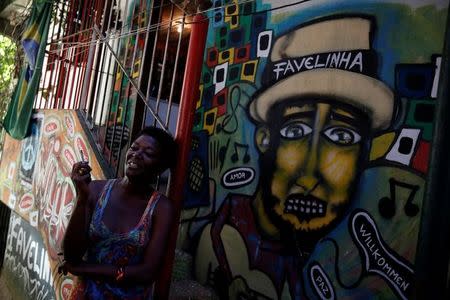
378, 257
238, 177
321, 282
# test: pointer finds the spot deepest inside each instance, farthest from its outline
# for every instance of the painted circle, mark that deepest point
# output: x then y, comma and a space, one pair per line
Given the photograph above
69, 125
26, 202
81, 145
66, 288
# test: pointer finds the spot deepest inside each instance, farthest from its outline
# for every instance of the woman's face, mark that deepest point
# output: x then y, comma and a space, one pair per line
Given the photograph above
143, 158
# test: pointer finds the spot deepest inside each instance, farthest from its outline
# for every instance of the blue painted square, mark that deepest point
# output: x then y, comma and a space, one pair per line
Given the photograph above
414, 80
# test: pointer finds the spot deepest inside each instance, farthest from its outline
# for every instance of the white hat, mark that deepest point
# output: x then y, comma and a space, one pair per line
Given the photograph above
322, 60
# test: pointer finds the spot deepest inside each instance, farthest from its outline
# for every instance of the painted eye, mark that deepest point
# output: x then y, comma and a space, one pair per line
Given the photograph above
342, 135
295, 130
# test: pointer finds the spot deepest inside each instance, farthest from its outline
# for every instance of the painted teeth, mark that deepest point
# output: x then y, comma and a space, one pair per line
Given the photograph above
311, 207
305, 203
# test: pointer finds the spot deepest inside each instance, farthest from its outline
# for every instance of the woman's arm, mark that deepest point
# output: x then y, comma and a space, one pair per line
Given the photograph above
156, 249
147, 271
76, 240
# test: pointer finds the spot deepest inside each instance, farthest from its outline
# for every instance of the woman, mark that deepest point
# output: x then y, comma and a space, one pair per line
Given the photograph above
118, 232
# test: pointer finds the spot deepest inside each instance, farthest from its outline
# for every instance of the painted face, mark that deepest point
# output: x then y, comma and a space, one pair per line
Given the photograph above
143, 157
315, 164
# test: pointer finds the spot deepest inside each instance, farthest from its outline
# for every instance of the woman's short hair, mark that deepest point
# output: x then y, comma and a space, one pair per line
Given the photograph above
169, 147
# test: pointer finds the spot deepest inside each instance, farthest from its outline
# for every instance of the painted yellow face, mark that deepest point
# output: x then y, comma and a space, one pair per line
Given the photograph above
316, 165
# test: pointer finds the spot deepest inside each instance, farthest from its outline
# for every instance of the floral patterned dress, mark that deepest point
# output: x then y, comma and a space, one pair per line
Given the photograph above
119, 249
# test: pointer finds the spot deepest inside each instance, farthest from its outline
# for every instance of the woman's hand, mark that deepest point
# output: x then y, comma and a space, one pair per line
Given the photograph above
94, 271
81, 177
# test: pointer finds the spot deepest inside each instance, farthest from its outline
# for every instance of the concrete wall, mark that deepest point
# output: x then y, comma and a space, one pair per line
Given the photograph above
35, 184
311, 145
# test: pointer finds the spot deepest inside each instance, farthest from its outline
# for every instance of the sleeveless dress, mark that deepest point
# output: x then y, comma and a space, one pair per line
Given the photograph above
118, 249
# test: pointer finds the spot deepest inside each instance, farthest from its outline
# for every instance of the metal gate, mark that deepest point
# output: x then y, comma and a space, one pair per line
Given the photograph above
119, 62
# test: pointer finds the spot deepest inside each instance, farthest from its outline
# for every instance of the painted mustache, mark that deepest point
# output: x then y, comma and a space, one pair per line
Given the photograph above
305, 207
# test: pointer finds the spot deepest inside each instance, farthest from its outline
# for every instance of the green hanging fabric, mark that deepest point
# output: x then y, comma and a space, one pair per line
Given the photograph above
34, 41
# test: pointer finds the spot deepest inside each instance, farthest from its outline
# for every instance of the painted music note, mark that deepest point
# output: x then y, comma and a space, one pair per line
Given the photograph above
222, 154
217, 155
235, 156
387, 206
230, 123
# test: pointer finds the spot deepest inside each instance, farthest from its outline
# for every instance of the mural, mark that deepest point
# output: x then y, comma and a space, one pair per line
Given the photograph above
310, 147
35, 183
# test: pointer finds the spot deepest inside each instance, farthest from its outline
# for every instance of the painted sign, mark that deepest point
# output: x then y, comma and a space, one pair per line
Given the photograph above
26, 263
310, 149
35, 182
